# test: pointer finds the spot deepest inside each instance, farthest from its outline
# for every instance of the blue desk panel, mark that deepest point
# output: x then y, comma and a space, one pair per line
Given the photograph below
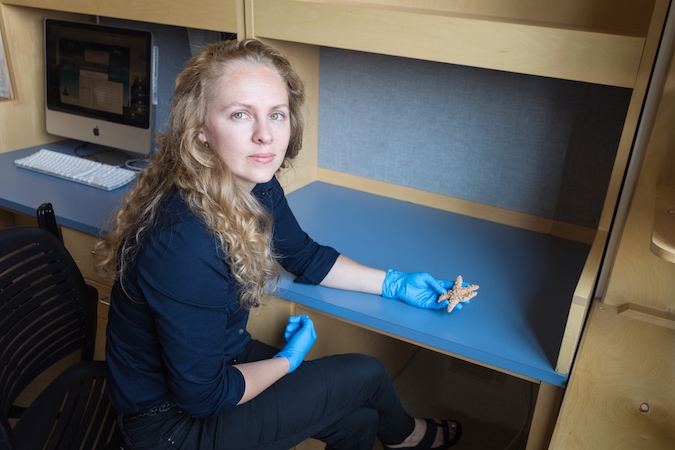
77, 206
526, 279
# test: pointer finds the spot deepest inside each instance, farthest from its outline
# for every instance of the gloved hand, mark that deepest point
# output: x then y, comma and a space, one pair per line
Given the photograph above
418, 289
299, 336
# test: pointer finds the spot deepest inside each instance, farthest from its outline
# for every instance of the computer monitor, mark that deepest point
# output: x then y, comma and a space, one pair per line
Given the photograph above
99, 84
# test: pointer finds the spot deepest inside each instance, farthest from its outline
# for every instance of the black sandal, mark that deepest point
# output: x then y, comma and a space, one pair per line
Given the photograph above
430, 436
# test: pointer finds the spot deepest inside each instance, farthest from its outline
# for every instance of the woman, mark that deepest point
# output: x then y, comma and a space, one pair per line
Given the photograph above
196, 244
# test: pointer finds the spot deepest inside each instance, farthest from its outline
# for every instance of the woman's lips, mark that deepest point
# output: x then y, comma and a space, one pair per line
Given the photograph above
263, 158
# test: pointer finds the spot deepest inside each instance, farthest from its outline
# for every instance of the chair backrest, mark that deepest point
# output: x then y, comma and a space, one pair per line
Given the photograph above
47, 312
46, 219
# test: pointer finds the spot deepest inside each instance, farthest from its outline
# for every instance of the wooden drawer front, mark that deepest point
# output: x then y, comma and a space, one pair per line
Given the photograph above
81, 247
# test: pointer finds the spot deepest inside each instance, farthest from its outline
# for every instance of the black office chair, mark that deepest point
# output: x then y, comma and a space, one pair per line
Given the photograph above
47, 313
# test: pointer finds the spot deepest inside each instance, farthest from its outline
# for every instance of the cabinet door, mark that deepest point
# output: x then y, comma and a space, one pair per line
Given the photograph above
566, 52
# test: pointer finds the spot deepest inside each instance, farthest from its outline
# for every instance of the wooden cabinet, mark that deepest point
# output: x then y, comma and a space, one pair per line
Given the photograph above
550, 41
621, 391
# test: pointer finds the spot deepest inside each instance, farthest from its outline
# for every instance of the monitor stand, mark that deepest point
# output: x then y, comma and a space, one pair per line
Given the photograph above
104, 154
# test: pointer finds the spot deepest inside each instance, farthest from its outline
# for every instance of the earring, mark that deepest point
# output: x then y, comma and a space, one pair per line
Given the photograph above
206, 144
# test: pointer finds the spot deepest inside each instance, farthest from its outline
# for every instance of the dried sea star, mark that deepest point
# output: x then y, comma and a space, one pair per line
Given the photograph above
459, 293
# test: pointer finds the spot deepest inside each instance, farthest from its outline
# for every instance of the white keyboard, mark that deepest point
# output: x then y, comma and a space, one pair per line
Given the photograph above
74, 168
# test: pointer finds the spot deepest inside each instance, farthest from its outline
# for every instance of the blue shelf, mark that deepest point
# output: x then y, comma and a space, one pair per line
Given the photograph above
526, 279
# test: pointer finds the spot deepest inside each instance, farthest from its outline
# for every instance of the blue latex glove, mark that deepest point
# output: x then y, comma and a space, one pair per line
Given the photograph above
299, 336
418, 289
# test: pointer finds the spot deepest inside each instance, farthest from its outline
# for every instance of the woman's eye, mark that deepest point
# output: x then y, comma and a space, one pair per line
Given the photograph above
277, 116
238, 115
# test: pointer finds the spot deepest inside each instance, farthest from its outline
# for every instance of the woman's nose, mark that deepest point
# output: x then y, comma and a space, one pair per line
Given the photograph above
262, 133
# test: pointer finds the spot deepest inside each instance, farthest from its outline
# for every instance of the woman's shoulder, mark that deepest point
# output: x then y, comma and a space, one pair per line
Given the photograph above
177, 225
174, 216
174, 209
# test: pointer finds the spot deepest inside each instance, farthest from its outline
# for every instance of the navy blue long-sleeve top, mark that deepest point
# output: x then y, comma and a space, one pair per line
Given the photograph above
175, 323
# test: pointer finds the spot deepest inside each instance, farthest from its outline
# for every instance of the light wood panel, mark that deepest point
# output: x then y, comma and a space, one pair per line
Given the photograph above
22, 122
621, 394
102, 317
267, 322
649, 315
544, 417
634, 113
567, 53
81, 248
218, 15
6, 219
622, 16
581, 300
637, 275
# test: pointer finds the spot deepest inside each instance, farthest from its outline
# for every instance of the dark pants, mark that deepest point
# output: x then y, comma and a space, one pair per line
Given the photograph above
343, 400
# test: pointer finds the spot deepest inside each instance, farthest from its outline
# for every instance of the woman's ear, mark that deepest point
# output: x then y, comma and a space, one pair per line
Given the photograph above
202, 138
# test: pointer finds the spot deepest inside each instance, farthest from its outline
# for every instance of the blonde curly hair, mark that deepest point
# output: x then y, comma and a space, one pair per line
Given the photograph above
239, 221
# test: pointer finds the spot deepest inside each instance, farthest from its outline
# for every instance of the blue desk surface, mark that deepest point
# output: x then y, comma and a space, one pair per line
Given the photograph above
526, 279
80, 207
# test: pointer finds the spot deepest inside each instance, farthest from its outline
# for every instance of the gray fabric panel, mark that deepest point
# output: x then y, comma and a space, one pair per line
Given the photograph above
503, 139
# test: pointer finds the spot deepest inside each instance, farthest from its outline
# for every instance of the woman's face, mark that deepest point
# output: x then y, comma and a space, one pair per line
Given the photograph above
248, 123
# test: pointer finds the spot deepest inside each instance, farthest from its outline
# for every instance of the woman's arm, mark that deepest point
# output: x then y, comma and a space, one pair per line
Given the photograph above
316, 264
299, 335
350, 275
418, 289
259, 375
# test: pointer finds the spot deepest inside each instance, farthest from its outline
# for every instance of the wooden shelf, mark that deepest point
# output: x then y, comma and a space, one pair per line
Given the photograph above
218, 15
663, 231
649, 315
558, 52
